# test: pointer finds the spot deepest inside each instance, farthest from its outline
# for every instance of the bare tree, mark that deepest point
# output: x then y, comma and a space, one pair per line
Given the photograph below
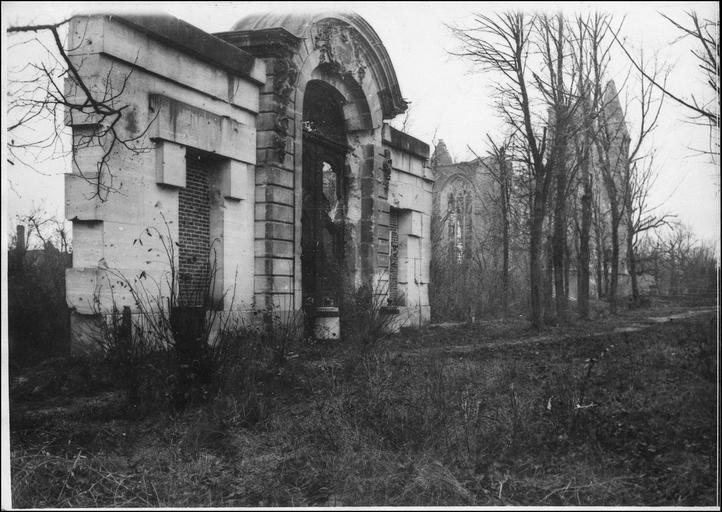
501, 173
591, 44
502, 44
45, 228
48, 92
641, 216
553, 48
705, 34
617, 150
683, 264
601, 235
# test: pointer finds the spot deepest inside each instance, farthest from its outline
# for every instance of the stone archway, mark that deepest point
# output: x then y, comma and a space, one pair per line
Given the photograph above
338, 53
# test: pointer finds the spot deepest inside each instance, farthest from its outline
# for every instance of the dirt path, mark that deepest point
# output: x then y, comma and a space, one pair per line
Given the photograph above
625, 326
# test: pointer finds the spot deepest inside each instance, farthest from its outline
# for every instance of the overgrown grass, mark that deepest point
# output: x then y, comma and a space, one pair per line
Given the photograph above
619, 419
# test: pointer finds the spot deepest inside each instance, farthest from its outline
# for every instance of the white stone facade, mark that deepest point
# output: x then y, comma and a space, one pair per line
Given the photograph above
238, 105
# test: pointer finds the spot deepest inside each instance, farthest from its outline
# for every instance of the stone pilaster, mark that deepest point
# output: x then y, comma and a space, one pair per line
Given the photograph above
275, 204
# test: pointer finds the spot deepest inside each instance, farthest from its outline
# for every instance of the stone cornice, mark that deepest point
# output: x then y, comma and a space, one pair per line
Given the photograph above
194, 41
263, 43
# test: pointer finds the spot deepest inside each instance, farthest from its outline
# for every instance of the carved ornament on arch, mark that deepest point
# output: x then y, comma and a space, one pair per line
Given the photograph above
340, 48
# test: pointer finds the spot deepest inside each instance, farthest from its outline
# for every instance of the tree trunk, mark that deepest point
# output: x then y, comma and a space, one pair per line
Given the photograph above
559, 242
657, 275
673, 285
614, 278
605, 272
584, 256
536, 223
567, 271
548, 288
632, 263
601, 263
505, 244
536, 229
600, 250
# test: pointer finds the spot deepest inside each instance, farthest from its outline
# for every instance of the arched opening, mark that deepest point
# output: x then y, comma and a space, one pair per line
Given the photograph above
459, 220
325, 193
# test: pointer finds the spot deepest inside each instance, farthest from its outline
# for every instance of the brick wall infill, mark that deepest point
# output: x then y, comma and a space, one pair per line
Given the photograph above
193, 233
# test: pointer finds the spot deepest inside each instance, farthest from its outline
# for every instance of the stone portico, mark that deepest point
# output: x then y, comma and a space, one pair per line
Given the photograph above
265, 149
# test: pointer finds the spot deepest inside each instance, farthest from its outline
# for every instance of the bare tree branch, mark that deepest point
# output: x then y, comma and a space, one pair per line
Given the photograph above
40, 102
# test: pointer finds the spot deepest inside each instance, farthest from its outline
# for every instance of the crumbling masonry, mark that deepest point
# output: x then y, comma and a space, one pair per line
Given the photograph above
265, 148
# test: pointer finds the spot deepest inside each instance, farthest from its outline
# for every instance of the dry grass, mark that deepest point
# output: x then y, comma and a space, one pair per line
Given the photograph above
622, 419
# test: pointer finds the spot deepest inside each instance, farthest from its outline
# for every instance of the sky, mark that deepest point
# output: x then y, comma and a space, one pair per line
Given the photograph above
449, 99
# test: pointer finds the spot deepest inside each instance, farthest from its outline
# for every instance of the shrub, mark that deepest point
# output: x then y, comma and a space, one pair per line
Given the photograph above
366, 317
141, 368
185, 327
282, 327
38, 316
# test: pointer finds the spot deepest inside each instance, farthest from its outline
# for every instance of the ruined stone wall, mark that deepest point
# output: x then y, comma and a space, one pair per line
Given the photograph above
182, 91
470, 180
342, 51
410, 194
236, 101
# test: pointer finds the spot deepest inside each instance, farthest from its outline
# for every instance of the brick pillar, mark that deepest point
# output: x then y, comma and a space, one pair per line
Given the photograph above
194, 233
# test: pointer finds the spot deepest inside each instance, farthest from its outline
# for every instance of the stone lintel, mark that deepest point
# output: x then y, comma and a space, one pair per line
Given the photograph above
197, 128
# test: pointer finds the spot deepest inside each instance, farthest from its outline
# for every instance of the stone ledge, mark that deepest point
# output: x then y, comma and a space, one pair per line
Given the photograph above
405, 142
192, 40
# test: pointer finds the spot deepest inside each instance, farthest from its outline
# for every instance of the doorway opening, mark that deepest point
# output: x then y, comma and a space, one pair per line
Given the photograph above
324, 192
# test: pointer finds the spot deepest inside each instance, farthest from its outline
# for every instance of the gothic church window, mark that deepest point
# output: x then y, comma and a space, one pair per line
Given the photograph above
459, 221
